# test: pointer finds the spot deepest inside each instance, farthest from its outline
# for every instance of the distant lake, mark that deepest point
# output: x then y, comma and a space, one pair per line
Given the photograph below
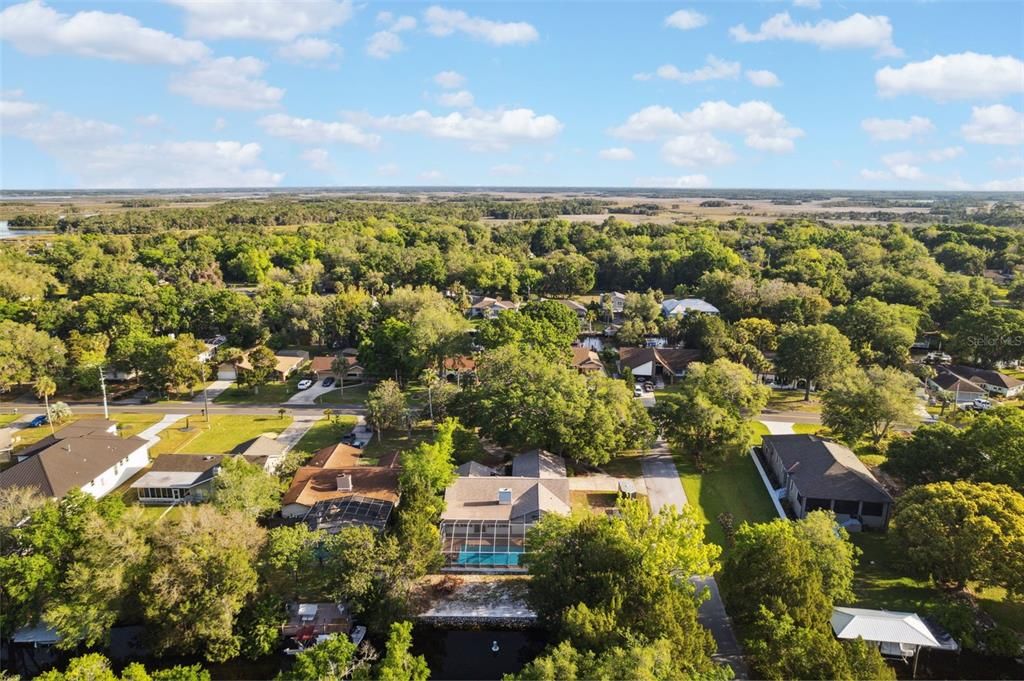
8, 233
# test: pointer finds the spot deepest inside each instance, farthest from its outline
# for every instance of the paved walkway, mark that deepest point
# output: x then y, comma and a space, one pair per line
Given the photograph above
212, 391
152, 433
299, 427
664, 488
603, 483
778, 427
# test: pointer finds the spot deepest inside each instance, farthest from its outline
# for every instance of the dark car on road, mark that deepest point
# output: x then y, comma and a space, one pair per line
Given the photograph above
328, 382
38, 421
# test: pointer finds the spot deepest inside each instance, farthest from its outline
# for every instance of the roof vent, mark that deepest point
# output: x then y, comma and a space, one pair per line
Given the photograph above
505, 496
344, 482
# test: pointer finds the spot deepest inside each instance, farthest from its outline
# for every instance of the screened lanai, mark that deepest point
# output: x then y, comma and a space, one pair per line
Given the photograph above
483, 543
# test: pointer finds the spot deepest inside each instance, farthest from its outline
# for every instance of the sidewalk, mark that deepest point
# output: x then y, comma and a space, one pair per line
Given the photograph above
300, 425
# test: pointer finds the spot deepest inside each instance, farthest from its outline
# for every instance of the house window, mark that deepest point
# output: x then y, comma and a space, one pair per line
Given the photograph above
871, 508
846, 507
817, 504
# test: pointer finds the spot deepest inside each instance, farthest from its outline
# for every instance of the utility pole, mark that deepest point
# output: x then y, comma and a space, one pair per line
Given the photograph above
103, 387
430, 402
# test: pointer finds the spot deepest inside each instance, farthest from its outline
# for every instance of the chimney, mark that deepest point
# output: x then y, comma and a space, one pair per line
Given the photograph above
504, 496
344, 482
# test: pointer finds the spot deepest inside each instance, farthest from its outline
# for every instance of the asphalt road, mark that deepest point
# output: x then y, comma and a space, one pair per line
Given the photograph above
186, 408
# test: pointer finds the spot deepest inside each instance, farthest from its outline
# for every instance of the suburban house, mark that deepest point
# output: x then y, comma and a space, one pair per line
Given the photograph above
994, 382
333, 490
489, 308
617, 301
579, 310
586, 361
458, 368
265, 452
287, 364
486, 516
323, 366
818, 474
81, 428
671, 307
177, 479
649, 364
210, 346
963, 390
897, 635
95, 462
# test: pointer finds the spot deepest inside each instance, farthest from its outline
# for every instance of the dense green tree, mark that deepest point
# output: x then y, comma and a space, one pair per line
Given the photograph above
335, 659
879, 333
988, 335
96, 667
868, 402
246, 487
26, 354
398, 664
262, 364
961, 531
813, 353
386, 406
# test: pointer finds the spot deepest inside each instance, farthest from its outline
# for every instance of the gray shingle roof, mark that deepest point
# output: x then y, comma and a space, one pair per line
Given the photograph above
538, 464
55, 470
826, 470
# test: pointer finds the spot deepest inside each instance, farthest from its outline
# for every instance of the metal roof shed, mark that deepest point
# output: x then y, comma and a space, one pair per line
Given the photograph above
898, 634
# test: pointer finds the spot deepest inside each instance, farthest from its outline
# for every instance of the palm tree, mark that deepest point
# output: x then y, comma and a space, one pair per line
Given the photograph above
44, 388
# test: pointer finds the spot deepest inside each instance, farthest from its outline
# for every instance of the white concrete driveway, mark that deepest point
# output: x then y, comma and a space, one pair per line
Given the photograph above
603, 483
309, 395
299, 427
212, 391
778, 427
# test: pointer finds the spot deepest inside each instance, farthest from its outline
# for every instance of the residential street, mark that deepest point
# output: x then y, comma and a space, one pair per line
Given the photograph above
664, 489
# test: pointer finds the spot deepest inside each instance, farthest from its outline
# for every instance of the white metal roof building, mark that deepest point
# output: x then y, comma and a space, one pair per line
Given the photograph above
898, 634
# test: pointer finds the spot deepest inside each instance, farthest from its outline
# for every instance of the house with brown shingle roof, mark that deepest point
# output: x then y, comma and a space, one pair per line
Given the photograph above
994, 382
669, 364
586, 361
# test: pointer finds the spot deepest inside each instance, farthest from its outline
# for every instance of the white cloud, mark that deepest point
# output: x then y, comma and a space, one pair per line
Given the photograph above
220, 123
10, 109
280, 20
310, 131
507, 170
228, 83
714, 69
888, 129
383, 44
906, 165
617, 154
309, 50
483, 130
944, 154
450, 80
764, 127
94, 153
388, 169
34, 28
456, 100
996, 124
149, 120
1015, 184
681, 182
318, 159
807, 4
855, 31
875, 175
444, 22
431, 175
686, 19
967, 75
700, 149
762, 78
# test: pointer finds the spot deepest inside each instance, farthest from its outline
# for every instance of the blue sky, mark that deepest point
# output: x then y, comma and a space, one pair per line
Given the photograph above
900, 95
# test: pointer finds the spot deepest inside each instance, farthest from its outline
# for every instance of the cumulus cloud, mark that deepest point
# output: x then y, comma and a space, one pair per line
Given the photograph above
12, 110
889, 129
681, 182
384, 44
450, 80
617, 154
906, 165
462, 99
763, 127
1015, 184
445, 22
996, 124
228, 83
713, 69
34, 28
762, 78
700, 149
311, 131
853, 32
149, 120
318, 159
309, 50
94, 152
507, 170
280, 20
967, 75
482, 130
875, 175
686, 19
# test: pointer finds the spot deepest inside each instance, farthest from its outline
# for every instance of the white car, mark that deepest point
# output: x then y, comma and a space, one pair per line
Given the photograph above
304, 383
981, 404
638, 391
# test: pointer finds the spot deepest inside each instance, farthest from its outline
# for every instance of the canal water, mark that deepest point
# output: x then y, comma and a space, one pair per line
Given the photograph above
461, 654
8, 233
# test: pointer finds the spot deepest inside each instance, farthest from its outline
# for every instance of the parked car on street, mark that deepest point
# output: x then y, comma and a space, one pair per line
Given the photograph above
304, 383
328, 382
38, 421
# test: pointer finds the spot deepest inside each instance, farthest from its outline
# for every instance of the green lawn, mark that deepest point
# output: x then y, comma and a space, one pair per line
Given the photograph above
807, 428
225, 433
734, 487
793, 400
324, 433
271, 393
760, 430
395, 441
626, 465
354, 394
881, 581
130, 424
7, 418
133, 424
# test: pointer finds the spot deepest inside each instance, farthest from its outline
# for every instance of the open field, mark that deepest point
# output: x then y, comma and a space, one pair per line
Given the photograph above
226, 432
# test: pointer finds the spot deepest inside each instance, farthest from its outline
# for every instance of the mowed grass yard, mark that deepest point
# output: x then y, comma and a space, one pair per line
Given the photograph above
733, 487
128, 424
226, 432
324, 433
7, 418
271, 393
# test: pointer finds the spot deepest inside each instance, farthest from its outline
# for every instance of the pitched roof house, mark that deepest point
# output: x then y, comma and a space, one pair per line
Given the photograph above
177, 479
95, 462
489, 308
964, 390
820, 474
484, 524
993, 381
650, 363
586, 360
670, 307
286, 365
